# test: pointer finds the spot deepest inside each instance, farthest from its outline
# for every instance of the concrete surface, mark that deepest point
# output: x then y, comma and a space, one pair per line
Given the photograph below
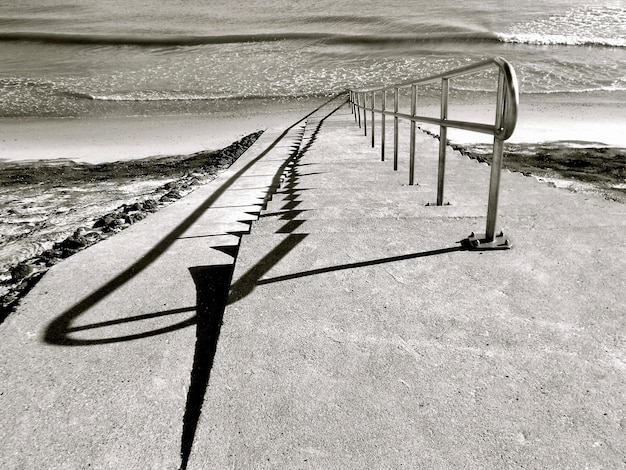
96, 362
358, 333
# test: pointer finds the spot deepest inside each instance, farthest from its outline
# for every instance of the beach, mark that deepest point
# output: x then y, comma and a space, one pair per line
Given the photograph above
194, 276
82, 87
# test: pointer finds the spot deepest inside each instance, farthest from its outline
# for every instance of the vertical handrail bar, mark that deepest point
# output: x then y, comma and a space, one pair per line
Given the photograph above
412, 142
373, 126
365, 112
443, 139
383, 105
496, 166
396, 99
358, 107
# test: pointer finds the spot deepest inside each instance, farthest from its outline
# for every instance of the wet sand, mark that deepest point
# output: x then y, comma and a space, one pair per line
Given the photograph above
98, 140
569, 143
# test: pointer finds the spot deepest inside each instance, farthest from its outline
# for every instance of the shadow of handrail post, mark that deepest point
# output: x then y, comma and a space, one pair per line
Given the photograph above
212, 284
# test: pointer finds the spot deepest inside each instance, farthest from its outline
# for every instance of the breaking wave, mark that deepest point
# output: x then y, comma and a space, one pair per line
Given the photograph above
328, 38
190, 40
561, 40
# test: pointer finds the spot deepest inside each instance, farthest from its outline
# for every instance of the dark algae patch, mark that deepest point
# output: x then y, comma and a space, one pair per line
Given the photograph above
66, 172
602, 168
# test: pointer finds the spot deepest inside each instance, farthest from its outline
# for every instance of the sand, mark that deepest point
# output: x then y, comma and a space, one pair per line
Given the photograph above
98, 140
544, 118
547, 119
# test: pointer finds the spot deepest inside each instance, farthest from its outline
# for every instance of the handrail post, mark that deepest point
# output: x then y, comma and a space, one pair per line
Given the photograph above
373, 126
396, 99
494, 188
358, 107
496, 166
443, 138
412, 143
365, 112
383, 105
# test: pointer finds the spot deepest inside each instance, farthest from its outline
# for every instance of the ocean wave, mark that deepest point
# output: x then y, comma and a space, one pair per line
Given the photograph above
561, 40
178, 40
539, 91
328, 38
148, 96
577, 91
157, 40
156, 96
173, 96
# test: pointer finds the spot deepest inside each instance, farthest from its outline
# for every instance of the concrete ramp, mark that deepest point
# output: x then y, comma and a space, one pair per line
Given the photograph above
361, 334
308, 309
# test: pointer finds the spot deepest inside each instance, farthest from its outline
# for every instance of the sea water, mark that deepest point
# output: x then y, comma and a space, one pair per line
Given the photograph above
70, 58
73, 60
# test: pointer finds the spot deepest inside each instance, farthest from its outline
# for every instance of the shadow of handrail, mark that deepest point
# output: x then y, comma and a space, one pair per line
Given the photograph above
57, 331
359, 264
246, 283
212, 284
212, 287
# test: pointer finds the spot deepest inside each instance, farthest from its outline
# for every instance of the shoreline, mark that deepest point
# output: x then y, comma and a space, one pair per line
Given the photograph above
545, 120
579, 168
564, 141
107, 139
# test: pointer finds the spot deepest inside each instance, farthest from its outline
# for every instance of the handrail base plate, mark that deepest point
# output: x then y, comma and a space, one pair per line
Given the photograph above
479, 242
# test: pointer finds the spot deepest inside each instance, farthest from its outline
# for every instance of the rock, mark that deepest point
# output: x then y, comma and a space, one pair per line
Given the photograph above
171, 185
67, 252
150, 205
170, 196
92, 237
132, 218
73, 243
10, 298
21, 271
80, 231
132, 207
51, 257
109, 220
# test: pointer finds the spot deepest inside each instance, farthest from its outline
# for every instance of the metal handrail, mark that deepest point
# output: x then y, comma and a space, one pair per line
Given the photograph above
507, 103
